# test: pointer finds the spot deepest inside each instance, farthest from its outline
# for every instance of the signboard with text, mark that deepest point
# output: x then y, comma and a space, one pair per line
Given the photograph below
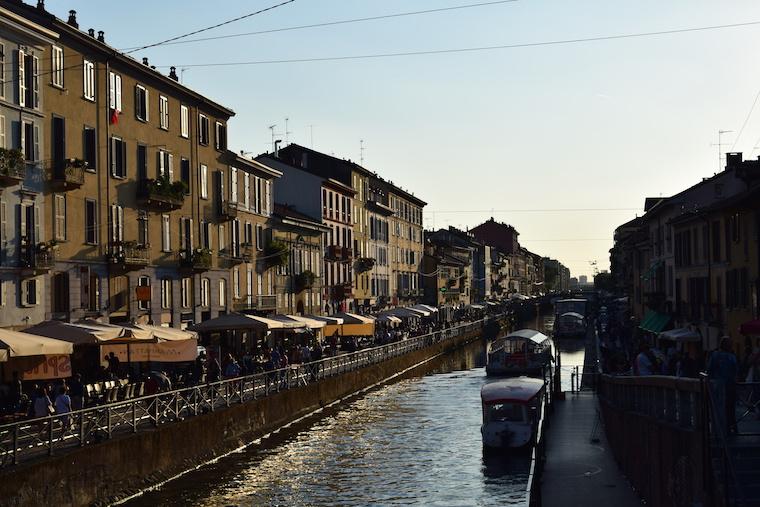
165, 352
51, 367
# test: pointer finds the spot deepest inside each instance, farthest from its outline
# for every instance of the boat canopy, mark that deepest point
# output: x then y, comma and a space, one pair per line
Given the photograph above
574, 315
528, 334
513, 390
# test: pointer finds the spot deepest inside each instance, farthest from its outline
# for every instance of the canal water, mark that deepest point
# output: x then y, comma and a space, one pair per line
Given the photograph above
414, 442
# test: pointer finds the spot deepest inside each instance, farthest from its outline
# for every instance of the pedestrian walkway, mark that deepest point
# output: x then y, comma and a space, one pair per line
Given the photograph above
580, 472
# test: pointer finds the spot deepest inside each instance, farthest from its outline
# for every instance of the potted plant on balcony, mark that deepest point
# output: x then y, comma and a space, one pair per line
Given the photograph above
364, 264
164, 187
10, 161
276, 253
305, 280
202, 257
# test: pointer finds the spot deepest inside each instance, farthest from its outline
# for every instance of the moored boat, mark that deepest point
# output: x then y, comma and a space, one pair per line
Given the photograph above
511, 412
524, 352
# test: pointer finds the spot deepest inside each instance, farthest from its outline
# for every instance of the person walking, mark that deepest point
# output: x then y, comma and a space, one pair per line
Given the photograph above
63, 407
722, 369
76, 392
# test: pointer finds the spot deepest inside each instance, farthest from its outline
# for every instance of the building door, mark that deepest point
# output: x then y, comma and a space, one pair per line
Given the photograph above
60, 303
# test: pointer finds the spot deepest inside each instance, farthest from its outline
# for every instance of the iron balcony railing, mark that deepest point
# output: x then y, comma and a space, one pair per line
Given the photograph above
45, 436
260, 302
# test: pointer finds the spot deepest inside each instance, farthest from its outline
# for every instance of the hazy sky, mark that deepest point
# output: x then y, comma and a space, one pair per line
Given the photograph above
594, 125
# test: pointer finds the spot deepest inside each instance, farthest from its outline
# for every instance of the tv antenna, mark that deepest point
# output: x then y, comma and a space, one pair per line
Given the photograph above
287, 132
271, 130
720, 147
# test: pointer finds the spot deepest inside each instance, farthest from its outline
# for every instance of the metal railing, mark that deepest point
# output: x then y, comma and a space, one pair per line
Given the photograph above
33, 438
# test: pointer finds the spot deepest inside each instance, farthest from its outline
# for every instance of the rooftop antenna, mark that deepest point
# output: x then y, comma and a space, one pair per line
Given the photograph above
287, 132
720, 147
271, 130
182, 75
361, 152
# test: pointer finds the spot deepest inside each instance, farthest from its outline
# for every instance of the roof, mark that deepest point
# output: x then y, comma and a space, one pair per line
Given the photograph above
513, 390
49, 20
528, 334
233, 158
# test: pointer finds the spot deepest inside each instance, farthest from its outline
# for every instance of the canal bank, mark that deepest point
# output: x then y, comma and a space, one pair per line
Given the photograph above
118, 467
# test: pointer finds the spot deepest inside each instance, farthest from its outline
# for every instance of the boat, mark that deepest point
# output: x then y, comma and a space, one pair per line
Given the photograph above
570, 325
524, 352
511, 412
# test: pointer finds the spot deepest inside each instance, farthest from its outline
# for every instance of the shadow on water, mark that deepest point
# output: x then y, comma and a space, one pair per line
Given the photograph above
413, 442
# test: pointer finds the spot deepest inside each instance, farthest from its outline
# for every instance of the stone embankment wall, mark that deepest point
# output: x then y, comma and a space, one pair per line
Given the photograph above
114, 469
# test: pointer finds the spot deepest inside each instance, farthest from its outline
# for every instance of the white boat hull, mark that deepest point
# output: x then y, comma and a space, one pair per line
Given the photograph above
506, 435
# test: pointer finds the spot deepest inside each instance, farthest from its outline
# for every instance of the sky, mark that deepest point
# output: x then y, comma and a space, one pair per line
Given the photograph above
562, 141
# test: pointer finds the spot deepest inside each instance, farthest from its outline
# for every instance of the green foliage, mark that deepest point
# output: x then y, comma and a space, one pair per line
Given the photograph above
277, 253
10, 161
164, 187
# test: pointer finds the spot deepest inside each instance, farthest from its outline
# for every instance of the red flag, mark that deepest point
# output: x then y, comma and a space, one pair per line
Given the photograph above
114, 116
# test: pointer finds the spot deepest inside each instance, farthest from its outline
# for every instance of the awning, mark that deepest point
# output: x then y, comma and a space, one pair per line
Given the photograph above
90, 332
654, 322
335, 321
404, 313
236, 321
289, 323
751, 327
491, 303
310, 323
353, 318
165, 334
427, 308
476, 307
17, 344
681, 335
386, 317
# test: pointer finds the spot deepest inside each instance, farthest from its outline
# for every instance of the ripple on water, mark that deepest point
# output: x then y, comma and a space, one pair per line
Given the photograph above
416, 442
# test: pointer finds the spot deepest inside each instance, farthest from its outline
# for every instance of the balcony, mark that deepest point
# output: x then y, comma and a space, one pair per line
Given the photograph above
455, 292
258, 303
128, 255
344, 291
37, 260
334, 253
12, 167
243, 254
161, 194
68, 174
194, 261
228, 211
364, 264
347, 253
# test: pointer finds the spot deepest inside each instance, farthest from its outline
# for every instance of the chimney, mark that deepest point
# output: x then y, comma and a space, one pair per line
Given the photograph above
145, 60
101, 36
277, 148
91, 31
73, 19
41, 5
153, 67
173, 73
733, 160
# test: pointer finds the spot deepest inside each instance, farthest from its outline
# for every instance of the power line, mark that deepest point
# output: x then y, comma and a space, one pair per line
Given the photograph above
749, 114
475, 49
223, 23
340, 22
535, 210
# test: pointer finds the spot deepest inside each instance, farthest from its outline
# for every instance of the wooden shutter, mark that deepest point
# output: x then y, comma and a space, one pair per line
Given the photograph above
21, 78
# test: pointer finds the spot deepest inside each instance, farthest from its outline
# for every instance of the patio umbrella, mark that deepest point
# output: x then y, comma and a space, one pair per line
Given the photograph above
18, 344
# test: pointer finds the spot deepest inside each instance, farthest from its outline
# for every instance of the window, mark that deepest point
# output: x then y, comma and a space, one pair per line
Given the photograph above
114, 92
186, 234
203, 129
141, 103
28, 80
222, 239
163, 112
2, 70
221, 136
143, 281
184, 121
142, 162
186, 292
222, 293
204, 181
56, 66
30, 292
233, 184
205, 291
30, 141
118, 157
143, 237
165, 165
246, 190
206, 235
117, 224
2, 123
90, 222
166, 239
166, 293
259, 237
89, 148
59, 203
248, 234
184, 174
236, 283
89, 80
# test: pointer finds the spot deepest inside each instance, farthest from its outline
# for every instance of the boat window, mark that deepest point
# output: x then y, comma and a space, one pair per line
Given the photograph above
516, 346
505, 412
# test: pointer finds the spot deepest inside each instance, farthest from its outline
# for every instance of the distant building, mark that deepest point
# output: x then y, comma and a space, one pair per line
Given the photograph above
583, 280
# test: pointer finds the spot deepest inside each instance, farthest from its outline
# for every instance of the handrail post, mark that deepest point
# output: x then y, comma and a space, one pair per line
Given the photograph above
15, 444
134, 416
50, 435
